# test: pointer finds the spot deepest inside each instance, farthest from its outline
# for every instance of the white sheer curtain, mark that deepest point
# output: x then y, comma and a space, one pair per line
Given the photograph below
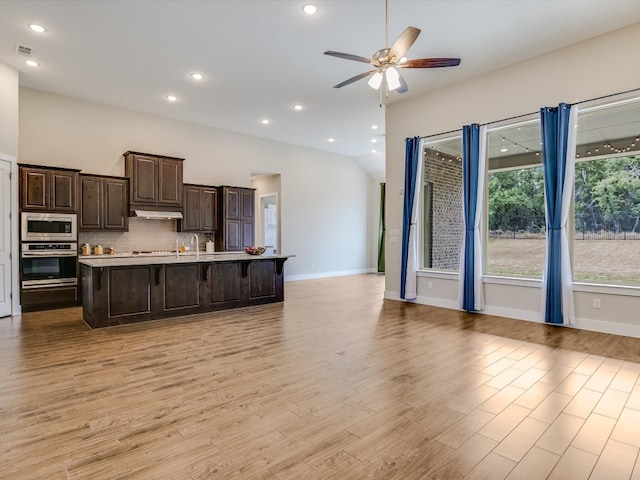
411, 283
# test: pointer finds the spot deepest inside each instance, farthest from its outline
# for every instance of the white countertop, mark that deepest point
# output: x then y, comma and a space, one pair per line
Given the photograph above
147, 259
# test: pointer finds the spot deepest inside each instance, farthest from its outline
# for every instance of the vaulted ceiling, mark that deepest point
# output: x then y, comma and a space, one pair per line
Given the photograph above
259, 58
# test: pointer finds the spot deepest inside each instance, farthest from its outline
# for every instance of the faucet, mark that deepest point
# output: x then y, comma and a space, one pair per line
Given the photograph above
195, 235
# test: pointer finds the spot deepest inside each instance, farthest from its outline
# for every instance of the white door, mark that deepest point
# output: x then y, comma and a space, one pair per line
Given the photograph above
5, 238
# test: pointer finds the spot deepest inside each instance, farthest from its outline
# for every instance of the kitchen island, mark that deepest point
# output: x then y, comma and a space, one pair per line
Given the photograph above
118, 290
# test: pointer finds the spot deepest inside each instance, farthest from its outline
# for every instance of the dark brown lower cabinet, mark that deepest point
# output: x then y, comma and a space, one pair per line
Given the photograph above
48, 298
181, 287
115, 295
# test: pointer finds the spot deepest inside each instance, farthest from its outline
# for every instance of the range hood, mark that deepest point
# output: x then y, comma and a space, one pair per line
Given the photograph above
157, 215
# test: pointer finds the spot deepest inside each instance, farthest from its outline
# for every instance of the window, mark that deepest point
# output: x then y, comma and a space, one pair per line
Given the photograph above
442, 220
607, 195
515, 201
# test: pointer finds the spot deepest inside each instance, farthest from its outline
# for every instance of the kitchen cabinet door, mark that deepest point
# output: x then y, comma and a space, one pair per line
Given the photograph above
192, 209
169, 181
48, 189
209, 198
103, 203
90, 203
115, 204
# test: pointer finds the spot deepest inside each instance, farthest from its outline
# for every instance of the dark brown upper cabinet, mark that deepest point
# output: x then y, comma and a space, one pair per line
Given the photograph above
155, 181
200, 210
48, 189
104, 203
236, 218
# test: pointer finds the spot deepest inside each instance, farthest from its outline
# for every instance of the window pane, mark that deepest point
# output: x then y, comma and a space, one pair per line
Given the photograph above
607, 195
443, 225
516, 221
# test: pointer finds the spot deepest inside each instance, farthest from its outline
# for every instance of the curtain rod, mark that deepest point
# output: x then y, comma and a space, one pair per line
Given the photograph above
515, 117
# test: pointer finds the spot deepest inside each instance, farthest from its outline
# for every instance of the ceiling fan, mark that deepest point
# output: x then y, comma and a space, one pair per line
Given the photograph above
387, 60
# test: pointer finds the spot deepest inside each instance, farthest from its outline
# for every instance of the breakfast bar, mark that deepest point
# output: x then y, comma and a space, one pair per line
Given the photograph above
128, 289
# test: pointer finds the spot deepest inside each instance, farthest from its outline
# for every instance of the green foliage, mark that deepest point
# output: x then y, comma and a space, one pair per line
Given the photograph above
607, 197
516, 200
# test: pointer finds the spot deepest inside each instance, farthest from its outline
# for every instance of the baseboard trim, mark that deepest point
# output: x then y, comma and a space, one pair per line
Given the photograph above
526, 315
340, 273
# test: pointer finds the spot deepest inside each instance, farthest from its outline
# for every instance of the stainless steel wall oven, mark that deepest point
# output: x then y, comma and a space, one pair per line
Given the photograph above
49, 265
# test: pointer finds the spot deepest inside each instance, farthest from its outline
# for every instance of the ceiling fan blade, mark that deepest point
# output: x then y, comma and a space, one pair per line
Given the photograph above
404, 42
348, 56
354, 79
430, 63
403, 85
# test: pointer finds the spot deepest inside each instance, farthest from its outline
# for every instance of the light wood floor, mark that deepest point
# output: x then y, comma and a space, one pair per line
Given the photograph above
333, 384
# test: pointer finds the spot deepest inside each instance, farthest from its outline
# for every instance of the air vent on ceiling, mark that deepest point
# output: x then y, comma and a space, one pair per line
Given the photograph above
23, 50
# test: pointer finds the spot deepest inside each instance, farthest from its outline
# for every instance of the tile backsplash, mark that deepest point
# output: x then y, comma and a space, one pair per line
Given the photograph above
143, 234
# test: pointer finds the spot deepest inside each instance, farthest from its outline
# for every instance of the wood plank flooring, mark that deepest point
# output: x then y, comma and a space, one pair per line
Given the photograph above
336, 383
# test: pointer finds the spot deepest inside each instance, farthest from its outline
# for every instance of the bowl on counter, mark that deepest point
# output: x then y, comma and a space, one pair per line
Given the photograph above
254, 250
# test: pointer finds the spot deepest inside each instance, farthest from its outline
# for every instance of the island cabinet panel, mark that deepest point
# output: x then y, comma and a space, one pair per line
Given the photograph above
182, 287
224, 285
262, 280
48, 189
130, 290
115, 294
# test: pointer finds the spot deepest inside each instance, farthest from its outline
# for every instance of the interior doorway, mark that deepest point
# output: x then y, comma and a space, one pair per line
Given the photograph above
269, 222
268, 225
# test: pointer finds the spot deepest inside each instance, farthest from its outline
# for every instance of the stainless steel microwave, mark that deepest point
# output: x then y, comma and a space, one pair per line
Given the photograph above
49, 227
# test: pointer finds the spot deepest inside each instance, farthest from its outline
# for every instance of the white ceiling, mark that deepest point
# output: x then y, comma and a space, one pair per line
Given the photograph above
260, 57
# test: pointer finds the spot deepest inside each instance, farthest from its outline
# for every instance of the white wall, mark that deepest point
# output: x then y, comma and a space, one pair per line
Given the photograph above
579, 72
9, 152
8, 111
324, 197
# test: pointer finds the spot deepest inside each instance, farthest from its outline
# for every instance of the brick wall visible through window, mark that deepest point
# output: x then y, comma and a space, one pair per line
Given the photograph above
447, 226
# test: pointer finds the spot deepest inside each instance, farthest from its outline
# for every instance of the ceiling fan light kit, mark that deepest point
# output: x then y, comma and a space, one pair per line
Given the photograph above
386, 61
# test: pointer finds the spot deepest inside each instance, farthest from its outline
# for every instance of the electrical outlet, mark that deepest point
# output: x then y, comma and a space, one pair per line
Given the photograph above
311, 266
429, 284
597, 303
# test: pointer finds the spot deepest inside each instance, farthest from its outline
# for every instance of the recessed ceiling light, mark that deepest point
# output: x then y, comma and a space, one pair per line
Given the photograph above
373, 151
374, 140
297, 107
374, 127
172, 98
504, 150
265, 121
37, 28
309, 9
32, 63
196, 76
331, 140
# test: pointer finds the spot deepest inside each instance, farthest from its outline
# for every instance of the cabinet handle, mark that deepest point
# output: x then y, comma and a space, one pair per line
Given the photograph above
100, 272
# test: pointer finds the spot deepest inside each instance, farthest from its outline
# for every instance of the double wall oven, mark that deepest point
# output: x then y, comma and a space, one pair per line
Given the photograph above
49, 250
